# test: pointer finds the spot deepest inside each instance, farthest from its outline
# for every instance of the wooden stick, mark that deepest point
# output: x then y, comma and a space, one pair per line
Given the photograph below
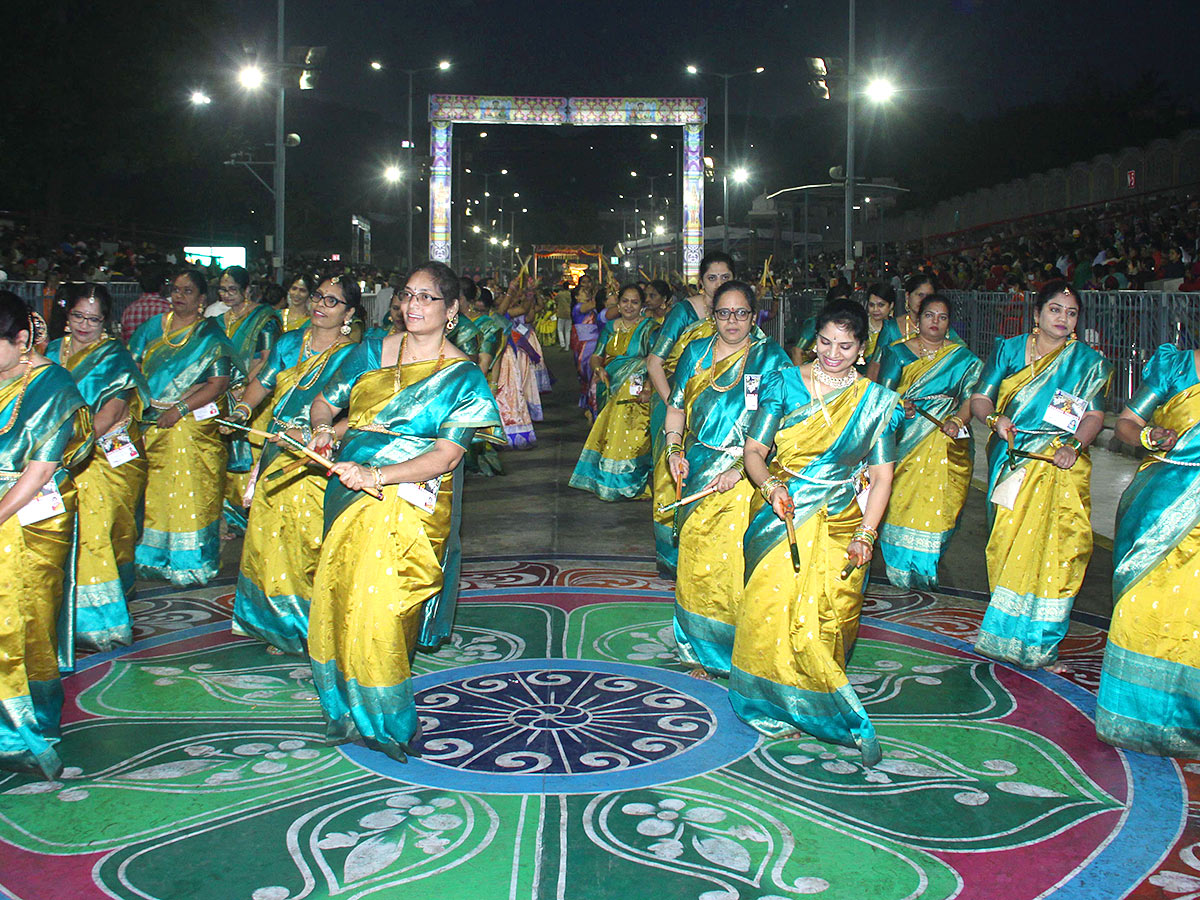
848, 568
296, 447
791, 533
699, 495
932, 418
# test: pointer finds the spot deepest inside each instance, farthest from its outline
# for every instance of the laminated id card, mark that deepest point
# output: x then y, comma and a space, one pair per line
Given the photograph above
421, 494
636, 383
46, 503
1065, 411
750, 388
207, 411
520, 329
118, 446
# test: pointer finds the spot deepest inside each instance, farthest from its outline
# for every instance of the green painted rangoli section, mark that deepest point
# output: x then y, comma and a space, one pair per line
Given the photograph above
230, 743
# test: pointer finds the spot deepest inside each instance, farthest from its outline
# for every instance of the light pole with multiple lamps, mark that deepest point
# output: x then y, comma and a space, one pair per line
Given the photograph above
696, 70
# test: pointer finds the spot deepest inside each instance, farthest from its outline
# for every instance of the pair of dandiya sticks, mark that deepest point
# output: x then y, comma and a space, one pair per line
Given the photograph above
680, 500
296, 447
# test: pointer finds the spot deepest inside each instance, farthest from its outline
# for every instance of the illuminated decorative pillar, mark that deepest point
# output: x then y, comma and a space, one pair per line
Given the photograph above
441, 133
693, 200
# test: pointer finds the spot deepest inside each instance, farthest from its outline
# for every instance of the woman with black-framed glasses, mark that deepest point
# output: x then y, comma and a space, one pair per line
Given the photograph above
714, 395
387, 578
283, 534
111, 485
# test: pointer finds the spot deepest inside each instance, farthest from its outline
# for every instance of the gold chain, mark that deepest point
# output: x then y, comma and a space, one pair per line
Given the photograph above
12, 419
398, 381
166, 326
712, 373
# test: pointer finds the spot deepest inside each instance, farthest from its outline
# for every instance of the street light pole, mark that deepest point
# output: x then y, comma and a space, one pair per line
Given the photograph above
408, 210
849, 201
725, 174
280, 173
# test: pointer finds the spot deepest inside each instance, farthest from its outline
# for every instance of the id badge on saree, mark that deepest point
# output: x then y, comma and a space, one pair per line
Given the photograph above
421, 494
750, 390
46, 503
118, 446
862, 490
1065, 411
636, 383
1006, 490
520, 329
207, 411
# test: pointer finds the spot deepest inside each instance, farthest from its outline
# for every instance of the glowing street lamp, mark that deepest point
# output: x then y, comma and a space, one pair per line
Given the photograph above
392, 174
880, 90
740, 175
376, 65
251, 77
199, 98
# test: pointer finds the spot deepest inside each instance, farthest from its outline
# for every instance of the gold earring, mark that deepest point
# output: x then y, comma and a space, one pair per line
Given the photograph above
452, 322
1036, 331
862, 360
1073, 337
346, 328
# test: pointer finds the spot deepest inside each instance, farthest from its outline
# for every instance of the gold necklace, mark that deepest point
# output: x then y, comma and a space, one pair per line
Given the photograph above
398, 379
12, 419
237, 321
928, 354
833, 381
168, 319
712, 372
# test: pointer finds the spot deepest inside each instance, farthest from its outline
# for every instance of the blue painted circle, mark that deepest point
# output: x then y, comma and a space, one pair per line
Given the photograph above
563, 726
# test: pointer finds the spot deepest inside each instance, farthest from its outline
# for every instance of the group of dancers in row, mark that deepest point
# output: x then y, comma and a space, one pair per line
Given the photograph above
776, 477
123, 460
119, 461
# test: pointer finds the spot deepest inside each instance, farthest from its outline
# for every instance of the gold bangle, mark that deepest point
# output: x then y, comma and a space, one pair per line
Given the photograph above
992, 420
1147, 441
378, 475
324, 429
767, 488
957, 418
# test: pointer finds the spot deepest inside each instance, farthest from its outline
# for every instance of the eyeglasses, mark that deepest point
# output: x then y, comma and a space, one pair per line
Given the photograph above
329, 300
189, 291
81, 318
229, 289
423, 296
741, 314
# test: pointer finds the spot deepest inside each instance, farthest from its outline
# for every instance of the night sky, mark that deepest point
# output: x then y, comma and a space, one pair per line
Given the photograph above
958, 63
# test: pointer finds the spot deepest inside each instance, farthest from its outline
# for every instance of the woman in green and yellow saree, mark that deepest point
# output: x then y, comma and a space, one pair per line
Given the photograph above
44, 429
387, 576
832, 431
1148, 687
615, 462
111, 485
283, 535
1041, 395
187, 362
713, 399
252, 329
933, 470
687, 320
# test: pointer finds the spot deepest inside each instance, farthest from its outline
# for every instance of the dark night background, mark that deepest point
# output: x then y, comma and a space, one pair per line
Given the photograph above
97, 131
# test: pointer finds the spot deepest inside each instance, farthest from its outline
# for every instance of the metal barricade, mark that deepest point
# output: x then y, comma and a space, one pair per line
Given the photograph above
122, 292
1126, 326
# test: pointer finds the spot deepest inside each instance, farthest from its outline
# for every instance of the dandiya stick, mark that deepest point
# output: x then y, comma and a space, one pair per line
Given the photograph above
296, 447
699, 495
791, 533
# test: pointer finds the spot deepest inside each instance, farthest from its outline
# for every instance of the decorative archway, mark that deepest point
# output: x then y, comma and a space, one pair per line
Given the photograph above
689, 113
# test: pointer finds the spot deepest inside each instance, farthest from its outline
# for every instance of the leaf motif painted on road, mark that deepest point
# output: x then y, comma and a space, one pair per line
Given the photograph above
180, 768
723, 852
248, 681
371, 856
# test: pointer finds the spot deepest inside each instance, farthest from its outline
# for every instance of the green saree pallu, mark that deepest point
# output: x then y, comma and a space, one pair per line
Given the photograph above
250, 336
110, 489
185, 483
1040, 515
933, 471
681, 325
286, 521
386, 580
718, 400
1150, 682
615, 461
43, 418
796, 628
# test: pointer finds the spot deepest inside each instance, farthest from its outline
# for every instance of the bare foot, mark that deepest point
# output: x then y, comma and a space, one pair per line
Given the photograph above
701, 673
274, 651
1059, 669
